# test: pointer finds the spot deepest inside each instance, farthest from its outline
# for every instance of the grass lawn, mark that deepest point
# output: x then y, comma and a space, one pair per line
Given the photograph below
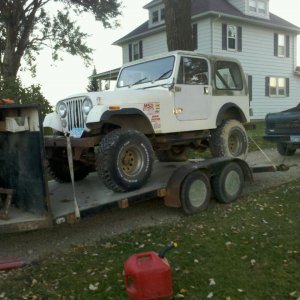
249, 249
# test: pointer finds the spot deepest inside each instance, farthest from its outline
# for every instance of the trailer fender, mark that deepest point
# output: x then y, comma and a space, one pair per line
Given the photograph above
172, 198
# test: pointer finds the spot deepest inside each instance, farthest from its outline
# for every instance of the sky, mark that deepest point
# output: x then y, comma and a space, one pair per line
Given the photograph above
60, 79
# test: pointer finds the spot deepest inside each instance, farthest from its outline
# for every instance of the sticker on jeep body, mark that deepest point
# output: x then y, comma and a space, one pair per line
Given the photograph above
151, 108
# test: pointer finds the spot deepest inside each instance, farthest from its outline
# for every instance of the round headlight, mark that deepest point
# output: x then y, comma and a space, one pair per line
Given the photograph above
87, 105
62, 109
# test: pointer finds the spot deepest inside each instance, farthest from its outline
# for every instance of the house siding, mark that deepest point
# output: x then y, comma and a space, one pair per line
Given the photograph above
258, 60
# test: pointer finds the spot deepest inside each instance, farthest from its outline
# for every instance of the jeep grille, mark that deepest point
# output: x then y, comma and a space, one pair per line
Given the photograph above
75, 115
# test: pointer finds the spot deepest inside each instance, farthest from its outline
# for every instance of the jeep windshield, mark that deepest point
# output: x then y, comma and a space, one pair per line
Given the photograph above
149, 71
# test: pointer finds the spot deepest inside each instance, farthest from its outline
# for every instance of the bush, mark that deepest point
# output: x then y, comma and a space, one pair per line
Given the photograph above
13, 89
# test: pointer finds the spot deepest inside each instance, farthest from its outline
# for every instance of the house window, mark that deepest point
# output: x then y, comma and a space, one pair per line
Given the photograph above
252, 5
277, 86
258, 6
135, 51
261, 7
162, 14
155, 16
281, 45
231, 37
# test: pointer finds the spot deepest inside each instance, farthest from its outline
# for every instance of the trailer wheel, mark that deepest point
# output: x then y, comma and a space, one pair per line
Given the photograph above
59, 170
229, 139
228, 185
195, 192
176, 153
285, 150
124, 160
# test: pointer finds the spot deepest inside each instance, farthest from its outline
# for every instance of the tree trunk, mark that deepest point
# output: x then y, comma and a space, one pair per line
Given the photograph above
18, 26
178, 24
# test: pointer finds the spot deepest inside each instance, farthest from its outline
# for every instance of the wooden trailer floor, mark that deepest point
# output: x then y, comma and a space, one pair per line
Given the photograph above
91, 193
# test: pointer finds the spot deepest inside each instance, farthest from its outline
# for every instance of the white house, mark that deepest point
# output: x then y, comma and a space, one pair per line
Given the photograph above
265, 44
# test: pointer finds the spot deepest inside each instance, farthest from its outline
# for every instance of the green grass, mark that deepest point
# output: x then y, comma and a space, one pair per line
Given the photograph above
250, 249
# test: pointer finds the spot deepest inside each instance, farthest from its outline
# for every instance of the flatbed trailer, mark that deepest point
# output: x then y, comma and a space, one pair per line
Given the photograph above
38, 203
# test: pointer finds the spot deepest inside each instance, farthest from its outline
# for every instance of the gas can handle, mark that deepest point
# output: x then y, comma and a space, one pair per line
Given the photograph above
169, 247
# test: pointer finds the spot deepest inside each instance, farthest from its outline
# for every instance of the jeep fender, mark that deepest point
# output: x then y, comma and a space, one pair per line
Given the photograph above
124, 118
52, 120
230, 111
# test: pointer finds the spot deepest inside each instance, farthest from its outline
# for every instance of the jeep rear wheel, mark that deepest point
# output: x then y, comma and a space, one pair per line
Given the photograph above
176, 153
124, 160
229, 139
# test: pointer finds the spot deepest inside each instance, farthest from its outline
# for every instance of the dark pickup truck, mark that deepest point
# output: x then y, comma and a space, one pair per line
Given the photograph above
284, 129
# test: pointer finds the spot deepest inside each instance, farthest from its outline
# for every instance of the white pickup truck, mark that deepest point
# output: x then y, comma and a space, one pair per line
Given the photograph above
163, 104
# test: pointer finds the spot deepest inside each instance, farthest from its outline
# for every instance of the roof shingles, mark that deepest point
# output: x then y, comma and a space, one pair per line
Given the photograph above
204, 7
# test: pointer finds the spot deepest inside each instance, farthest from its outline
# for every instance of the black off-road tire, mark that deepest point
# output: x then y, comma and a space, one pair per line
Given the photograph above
195, 192
125, 160
228, 184
229, 139
285, 150
59, 170
175, 154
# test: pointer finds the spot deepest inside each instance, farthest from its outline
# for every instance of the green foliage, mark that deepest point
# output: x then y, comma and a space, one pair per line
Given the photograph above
93, 85
245, 250
13, 89
30, 25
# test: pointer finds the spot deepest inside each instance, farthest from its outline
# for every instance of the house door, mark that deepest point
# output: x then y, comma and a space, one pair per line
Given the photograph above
192, 90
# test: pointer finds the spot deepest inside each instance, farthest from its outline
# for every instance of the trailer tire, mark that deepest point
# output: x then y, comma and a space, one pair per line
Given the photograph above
175, 154
195, 192
229, 139
285, 150
125, 160
228, 184
59, 170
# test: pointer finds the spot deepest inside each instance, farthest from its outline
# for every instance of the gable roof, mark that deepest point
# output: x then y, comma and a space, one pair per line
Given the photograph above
204, 8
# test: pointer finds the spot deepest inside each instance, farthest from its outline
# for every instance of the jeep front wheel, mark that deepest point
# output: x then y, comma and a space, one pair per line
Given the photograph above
124, 160
229, 139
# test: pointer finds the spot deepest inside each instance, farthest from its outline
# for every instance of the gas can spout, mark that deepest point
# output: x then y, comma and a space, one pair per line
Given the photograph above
169, 247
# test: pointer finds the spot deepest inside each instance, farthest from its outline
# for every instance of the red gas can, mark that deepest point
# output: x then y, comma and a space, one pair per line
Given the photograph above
148, 276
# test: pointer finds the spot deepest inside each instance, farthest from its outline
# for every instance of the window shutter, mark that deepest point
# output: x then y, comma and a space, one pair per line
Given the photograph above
130, 52
267, 87
275, 44
224, 36
287, 45
239, 34
250, 87
195, 36
141, 49
287, 84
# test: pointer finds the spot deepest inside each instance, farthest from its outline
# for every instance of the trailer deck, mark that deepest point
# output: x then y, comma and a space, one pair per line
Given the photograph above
91, 193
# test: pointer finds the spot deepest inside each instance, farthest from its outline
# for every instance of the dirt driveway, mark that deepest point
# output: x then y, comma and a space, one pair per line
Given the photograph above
34, 245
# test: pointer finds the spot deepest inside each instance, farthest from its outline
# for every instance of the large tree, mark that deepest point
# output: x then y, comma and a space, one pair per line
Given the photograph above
178, 24
27, 26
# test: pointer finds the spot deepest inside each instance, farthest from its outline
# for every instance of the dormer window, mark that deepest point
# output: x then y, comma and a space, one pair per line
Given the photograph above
252, 5
258, 7
261, 7
162, 14
155, 16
